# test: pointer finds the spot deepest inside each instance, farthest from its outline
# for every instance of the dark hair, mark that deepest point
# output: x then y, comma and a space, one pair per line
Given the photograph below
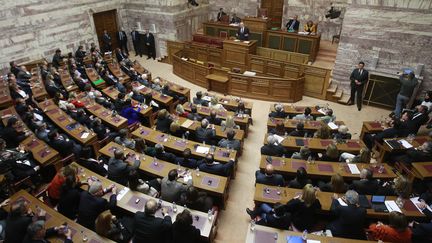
148, 98
121, 95
118, 154
362, 63
86, 153
187, 153
133, 180
192, 194
307, 111
11, 121
199, 94
184, 219
369, 174
140, 145
300, 126
172, 175
68, 184
429, 94
301, 174
279, 209
128, 102
231, 134
209, 158
398, 221
52, 134
330, 112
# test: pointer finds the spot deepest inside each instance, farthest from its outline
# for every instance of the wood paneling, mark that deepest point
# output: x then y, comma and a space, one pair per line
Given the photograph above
274, 11
106, 20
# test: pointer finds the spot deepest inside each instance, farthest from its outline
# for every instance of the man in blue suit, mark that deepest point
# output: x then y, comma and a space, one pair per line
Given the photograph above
269, 177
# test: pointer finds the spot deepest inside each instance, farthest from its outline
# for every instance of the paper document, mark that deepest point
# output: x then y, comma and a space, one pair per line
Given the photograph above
405, 143
353, 168
207, 98
341, 202
332, 125
187, 123
313, 241
186, 178
279, 138
392, 206
202, 150
37, 117
246, 42
105, 166
322, 111
249, 73
140, 87
121, 193
84, 135
415, 200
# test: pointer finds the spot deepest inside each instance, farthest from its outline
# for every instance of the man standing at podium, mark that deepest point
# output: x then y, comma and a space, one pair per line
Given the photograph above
359, 78
220, 14
242, 32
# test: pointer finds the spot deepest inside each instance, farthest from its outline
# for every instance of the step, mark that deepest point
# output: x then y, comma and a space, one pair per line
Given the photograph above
338, 94
332, 89
344, 100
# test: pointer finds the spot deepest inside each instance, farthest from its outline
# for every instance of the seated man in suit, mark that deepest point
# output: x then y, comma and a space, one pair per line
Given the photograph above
213, 119
124, 140
422, 153
64, 145
235, 19
171, 188
210, 166
163, 121
120, 166
366, 185
220, 14
279, 112
269, 177
193, 115
398, 129
305, 116
198, 100
37, 233
293, 24
419, 118
92, 203
329, 117
299, 131
162, 155
350, 219
230, 142
422, 232
186, 160
148, 228
242, 32
272, 148
206, 133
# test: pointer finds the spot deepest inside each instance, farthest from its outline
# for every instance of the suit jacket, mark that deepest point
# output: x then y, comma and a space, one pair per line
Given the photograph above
303, 217
62, 146
273, 150
418, 120
124, 37
244, 36
349, 222
80, 54
120, 56
151, 229
194, 116
205, 134
295, 26
118, 170
163, 124
202, 102
217, 169
16, 228
219, 15
187, 162
12, 137
365, 187
106, 39
278, 114
214, 120
91, 206
273, 180
135, 36
49, 233
188, 234
149, 39
166, 156
69, 203
170, 190
362, 78
233, 144
235, 20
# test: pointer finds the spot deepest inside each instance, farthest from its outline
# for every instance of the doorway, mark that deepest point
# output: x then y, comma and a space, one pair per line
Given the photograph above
274, 11
106, 20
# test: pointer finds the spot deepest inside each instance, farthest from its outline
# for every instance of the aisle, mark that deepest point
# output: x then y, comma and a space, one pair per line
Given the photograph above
233, 221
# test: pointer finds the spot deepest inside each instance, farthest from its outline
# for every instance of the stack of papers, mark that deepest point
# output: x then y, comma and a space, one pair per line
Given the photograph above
84, 135
187, 178
202, 150
405, 143
279, 138
332, 125
249, 73
121, 193
354, 169
321, 110
207, 98
342, 202
392, 206
187, 123
415, 200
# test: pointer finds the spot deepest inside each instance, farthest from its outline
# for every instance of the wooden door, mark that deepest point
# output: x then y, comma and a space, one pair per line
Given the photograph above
106, 21
274, 10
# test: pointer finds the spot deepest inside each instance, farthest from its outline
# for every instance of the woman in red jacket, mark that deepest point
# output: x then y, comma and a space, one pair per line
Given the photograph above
396, 231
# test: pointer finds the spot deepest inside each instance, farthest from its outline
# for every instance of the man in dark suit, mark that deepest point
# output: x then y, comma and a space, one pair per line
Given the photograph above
92, 204
230, 142
367, 185
14, 68
193, 115
269, 177
162, 155
206, 133
419, 154
149, 41
80, 53
242, 32
220, 14
119, 167
107, 42
359, 77
148, 228
136, 42
419, 118
210, 166
293, 24
63, 145
272, 148
37, 233
350, 219
423, 232
278, 112
213, 119
57, 58
235, 19
198, 100
186, 160
122, 40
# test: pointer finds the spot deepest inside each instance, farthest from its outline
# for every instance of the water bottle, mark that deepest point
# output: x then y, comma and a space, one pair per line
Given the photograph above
197, 172
252, 225
174, 207
304, 235
155, 161
210, 214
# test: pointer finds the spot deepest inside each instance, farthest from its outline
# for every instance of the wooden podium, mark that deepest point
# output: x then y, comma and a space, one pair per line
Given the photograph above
236, 53
257, 24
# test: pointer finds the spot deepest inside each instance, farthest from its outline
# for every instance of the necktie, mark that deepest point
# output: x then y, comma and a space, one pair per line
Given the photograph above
292, 24
361, 71
121, 36
242, 30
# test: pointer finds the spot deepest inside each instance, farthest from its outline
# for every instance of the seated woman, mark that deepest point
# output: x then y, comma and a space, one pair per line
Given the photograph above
163, 121
70, 193
342, 133
196, 200
276, 217
396, 231
129, 112
304, 153
303, 209
143, 148
108, 226
400, 186
336, 184
54, 188
301, 179
229, 123
310, 27
331, 154
180, 111
365, 156
175, 130
214, 104
323, 132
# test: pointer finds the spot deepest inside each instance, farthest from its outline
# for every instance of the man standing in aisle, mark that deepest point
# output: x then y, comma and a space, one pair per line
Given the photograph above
136, 42
150, 44
359, 78
408, 83
122, 40
243, 32
106, 39
220, 14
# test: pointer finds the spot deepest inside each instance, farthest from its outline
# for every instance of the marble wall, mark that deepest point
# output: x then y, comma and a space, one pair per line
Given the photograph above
386, 39
240, 7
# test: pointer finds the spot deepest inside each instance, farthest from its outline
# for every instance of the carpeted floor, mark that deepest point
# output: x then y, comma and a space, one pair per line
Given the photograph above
233, 221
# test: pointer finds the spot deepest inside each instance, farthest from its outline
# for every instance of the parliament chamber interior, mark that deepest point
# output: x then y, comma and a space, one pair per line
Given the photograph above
191, 121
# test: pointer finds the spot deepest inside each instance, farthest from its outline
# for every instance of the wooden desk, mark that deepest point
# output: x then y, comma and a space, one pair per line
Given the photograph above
163, 168
37, 86
176, 88
42, 153
236, 53
127, 202
231, 103
294, 42
5, 97
325, 199
296, 110
384, 149
217, 83
320, 145
118, 73
215, 29
71, 127
177, 145
141, 70
371, 127
323, 169
220, 133
95, 79
54, 219
257, 23
268, 234
67, 81
423, 169
291, 124
162, 99
116, 122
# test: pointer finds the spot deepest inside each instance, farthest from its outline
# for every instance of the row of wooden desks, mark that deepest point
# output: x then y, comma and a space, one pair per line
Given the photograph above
371, 127
178, 145
95, 78
5, 97
423, 169
319, 145
191, 125
263, 234
178, 89
141, 70
291, 124
212, 184
272, 194
37, 85
115, 69
324, 169
71, 127
161, 99
67, 80
230, 103
133, 202
399, 145
55, 219
40, 150
296, 110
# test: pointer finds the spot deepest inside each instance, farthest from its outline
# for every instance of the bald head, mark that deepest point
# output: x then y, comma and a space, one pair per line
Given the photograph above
269, 169
150, 207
